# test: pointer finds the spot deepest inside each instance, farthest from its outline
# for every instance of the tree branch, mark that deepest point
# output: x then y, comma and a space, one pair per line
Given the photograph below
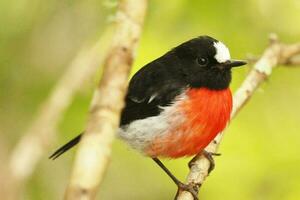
276, 54
41, 133
108, 100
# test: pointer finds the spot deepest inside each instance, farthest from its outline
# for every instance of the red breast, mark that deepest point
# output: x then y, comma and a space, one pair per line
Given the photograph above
206, 113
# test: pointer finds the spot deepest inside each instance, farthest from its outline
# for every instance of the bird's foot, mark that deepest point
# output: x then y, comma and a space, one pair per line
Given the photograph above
208, 156
191, 188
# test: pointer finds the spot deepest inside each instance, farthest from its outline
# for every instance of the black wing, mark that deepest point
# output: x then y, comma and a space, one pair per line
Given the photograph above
155, 85
152, 87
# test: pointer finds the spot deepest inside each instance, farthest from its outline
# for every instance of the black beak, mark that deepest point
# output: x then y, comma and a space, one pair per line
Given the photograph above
233, 63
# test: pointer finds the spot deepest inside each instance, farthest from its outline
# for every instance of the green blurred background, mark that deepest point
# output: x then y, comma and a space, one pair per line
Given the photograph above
260, 153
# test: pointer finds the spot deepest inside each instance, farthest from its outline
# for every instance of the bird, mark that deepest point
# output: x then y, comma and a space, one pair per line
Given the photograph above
177, 104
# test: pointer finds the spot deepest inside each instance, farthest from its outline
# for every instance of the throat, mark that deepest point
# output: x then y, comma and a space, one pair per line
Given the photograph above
217, 80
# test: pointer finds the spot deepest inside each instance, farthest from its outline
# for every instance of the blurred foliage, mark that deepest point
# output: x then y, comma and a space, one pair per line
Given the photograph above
260, 154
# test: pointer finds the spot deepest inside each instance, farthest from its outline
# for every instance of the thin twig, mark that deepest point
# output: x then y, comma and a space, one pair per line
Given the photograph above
95, 147
276, 54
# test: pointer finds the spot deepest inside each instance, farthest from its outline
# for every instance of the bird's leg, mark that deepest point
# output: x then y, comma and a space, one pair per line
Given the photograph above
209, 156
181, 186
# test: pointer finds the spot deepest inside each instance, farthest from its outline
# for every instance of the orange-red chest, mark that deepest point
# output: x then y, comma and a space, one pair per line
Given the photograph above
205, 113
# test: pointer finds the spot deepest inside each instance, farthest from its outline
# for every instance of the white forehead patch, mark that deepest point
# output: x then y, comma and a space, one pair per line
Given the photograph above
222, 52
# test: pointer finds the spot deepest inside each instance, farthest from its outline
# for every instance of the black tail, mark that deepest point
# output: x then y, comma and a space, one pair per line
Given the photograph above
66, 147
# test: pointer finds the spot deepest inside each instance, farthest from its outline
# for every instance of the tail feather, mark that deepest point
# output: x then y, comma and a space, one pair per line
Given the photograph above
65, 147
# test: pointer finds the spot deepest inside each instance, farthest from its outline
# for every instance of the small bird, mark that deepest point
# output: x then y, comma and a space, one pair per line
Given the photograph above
177, 104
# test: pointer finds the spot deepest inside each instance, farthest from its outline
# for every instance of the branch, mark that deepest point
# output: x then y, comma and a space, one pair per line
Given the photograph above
41, 133
95, 147
276, 54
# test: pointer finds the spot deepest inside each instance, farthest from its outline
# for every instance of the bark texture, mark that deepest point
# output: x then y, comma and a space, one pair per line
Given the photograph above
95, 147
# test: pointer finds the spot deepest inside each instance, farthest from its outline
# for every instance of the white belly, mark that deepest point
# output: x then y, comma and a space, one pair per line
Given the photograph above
139, 134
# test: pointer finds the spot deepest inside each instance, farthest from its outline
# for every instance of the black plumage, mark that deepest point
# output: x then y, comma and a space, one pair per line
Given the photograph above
166, 77
189, 65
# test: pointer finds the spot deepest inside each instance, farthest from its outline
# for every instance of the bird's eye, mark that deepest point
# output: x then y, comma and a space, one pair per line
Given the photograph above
202, 61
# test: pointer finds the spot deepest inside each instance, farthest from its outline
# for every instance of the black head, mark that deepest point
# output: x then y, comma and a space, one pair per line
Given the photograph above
204, 62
